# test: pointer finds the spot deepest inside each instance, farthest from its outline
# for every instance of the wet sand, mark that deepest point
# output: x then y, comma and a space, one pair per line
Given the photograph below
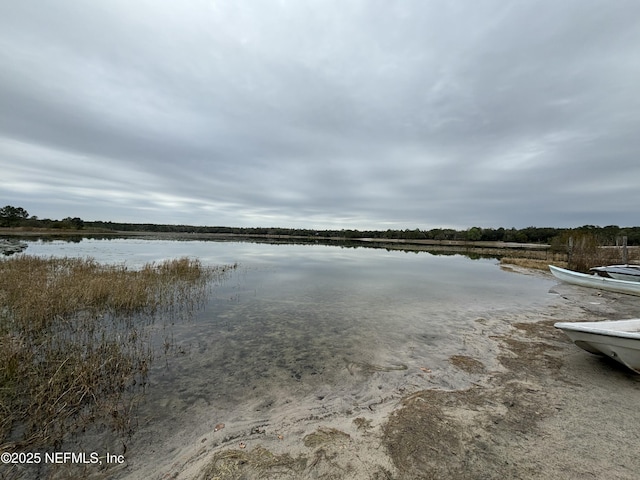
517, 400
536, 406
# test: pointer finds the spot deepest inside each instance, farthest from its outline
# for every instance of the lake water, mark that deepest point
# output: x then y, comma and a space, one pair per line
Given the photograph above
331, 329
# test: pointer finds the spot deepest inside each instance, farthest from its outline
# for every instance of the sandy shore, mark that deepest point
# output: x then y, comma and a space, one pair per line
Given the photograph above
534, 406
542, 408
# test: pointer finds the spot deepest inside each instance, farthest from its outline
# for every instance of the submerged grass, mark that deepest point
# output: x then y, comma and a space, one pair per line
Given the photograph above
73, 341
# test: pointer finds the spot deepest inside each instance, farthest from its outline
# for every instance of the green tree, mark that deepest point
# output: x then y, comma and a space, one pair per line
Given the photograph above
72, 223
12, 216
474, 234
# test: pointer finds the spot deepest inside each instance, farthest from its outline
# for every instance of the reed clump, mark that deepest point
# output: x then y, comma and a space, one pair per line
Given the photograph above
579, 252
585, 250
73, 340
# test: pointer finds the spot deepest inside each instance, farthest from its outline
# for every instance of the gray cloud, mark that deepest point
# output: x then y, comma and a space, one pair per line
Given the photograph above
363, 114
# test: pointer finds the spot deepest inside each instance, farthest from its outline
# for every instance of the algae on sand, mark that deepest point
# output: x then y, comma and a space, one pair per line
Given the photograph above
256, 463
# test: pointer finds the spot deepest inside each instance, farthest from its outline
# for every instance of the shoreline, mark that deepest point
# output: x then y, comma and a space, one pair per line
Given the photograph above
534, 413
480, 248
531, 407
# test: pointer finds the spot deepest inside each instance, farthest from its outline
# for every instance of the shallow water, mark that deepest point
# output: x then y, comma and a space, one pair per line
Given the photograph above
333, 329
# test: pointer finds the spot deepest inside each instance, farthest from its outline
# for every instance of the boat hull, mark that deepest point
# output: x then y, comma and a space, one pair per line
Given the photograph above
630, 273
624, 276
595, 281
617, 339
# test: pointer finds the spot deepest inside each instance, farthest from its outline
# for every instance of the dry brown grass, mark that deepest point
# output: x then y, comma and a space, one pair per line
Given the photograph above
585, 250
73, 342
257, 463
532, 263
466, 363
585, 253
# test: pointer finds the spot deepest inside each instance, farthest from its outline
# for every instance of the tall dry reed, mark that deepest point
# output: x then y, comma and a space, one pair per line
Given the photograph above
586, 251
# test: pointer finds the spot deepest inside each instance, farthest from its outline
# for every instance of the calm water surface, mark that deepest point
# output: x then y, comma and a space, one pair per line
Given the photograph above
334, 327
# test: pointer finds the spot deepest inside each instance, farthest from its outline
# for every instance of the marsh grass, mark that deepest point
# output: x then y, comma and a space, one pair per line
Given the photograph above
535, 264
585, 253
584, 250
73, 342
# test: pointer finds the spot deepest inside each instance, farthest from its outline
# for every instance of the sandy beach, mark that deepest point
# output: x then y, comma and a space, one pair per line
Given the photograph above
537, 407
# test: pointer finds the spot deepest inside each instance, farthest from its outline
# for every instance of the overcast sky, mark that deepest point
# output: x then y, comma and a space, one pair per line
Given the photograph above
370, 114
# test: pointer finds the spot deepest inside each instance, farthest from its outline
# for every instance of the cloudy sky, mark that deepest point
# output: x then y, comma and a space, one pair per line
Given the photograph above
369, 114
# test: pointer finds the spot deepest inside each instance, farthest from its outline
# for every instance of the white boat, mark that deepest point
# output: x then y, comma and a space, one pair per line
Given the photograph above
618, 339
630, 273
595, 281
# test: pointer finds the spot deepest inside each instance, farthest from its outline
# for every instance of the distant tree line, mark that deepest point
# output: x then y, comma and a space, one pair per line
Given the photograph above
19, 217
609, 235
605, 235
